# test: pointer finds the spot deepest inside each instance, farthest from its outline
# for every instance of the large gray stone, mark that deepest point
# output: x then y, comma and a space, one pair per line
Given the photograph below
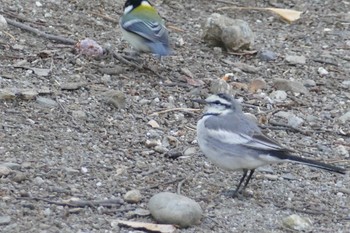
171, 208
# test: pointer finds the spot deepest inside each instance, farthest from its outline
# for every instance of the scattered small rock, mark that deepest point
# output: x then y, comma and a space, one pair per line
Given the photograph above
295, 222
271, 177
346, 84
5, 220
309, 83
175, 209
20, 177
3, 23
322, 71
287, 85
72, 86
4, 171
115, 98
292, 119
28, 94
343, 151
152, 143
257, 84
293, 59
344, 118
133, 196
6, 94
220, 86
79, 114
46, 102
267, 55
278, 96
13, 166
153, 124
38, 180
161, 149
234, 34
190, 151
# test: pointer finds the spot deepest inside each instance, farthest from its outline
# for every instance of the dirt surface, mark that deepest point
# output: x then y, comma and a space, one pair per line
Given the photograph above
83, 147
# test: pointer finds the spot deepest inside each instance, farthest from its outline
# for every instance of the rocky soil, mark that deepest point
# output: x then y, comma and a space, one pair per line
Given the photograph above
77, 130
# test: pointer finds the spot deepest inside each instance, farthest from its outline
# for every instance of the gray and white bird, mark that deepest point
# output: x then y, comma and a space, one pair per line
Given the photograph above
233, 141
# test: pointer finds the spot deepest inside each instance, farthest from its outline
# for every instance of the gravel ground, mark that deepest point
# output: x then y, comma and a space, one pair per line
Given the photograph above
80, 146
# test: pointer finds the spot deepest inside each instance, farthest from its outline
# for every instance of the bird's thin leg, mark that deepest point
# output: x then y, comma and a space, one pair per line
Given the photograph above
245, 172
248, 179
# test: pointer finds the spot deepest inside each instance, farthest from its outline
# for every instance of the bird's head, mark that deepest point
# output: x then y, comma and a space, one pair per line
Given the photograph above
220, 104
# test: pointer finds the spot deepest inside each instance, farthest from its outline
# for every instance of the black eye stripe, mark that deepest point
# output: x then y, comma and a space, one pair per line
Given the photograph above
220, 103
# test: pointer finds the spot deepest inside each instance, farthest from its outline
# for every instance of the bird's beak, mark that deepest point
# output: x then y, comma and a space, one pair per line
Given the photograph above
200, 101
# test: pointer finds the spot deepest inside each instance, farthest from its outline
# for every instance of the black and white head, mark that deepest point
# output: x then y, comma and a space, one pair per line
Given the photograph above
222, 104
133, 4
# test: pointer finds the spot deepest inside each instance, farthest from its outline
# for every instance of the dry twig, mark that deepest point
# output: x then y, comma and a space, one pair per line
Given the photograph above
175, 109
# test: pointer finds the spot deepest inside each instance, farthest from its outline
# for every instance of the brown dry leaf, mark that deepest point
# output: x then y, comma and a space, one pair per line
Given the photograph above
286, 14
162, 228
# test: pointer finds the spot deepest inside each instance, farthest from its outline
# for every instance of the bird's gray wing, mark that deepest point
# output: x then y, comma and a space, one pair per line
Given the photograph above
149, 30
237, 129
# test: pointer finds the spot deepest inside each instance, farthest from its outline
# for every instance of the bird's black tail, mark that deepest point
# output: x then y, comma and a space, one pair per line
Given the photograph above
316, 164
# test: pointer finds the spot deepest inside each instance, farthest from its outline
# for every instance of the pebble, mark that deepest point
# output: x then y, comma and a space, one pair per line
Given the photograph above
220, 86
28, 94
133, 196
309, 83
190, 151
4, 171
6, 94
322, 71
295, 222
346, 84
161, 149
344, 118
38, 180
278, 96
257, 84
234, 34
20, 177
3, 22
343, 151
71, 86
293, 59
152, 143
79, 114
287, 85
171, 208
153, 124
267, 55
46, 102
5, 220
292, 119
115, 98
13, 166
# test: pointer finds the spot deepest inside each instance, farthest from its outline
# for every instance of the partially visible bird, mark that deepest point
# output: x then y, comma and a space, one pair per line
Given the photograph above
144, 29
233, 141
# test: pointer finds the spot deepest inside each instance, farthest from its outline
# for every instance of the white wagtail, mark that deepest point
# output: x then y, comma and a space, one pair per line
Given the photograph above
233, 141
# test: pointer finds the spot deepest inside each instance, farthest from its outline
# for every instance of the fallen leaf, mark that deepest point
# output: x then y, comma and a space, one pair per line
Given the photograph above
162, 228
286, 14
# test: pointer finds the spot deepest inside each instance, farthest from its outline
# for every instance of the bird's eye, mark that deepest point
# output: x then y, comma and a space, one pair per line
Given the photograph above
217, 102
